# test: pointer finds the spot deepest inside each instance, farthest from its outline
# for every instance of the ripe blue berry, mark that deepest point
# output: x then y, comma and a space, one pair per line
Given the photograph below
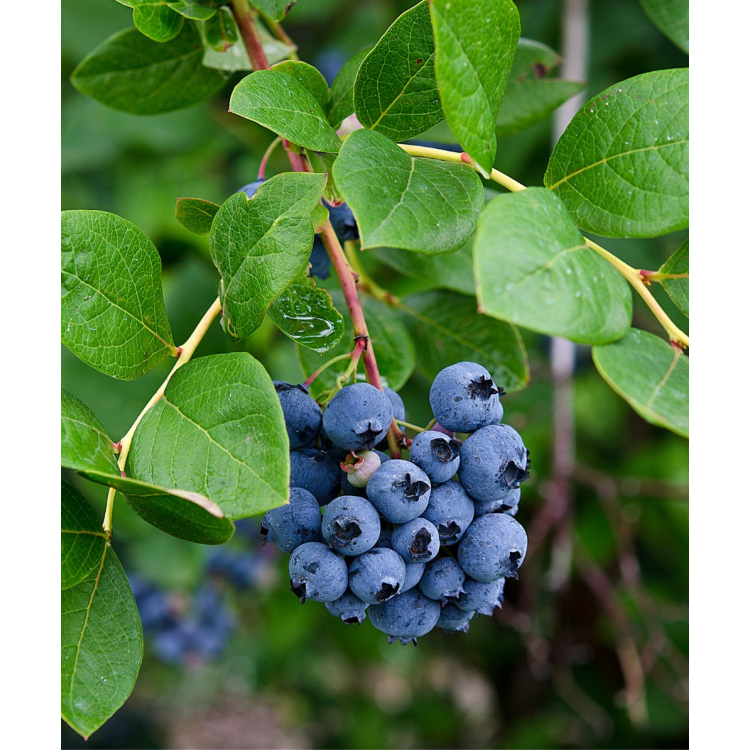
400, 490
454, 620
414, 573
417, 541
442, 580
252, 188
451, 510
481, 597
343, 222
436, 454
358, 417
317, 573
315, 471
350, 608
494, 462
493, 547
508, 504
320, 263
464, 398
399, 410
302, 415
406, 617
377, 575
351, 525
295, 523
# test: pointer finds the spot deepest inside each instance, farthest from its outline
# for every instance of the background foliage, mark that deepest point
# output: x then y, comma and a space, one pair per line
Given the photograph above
555, 668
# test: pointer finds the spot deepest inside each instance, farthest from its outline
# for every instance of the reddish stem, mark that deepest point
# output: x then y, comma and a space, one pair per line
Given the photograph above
246, 25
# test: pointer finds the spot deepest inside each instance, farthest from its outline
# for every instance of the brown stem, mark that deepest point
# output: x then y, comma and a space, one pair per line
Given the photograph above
244, 17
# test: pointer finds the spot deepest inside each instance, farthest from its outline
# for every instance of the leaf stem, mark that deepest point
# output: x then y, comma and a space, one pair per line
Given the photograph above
324, 367
411, 426
264, 161
632, 275
246, 24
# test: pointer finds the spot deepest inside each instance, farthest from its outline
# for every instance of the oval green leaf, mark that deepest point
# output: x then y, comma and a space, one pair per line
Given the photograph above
621, 166
156, 19
113, 314
677, 288
650, 375
84, 442
196, 214
193, 9
671, 17
221, 30
82, 540
311, 78
532, 268
416, 204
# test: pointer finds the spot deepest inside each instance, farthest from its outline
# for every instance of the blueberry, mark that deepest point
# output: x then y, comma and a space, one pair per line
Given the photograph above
295, 523
384, 540
317, 573
464, 398
400, 490
302, 415
358, 417
417, 541
377, 575
508, 504
414, 573
494, 462
351, 525
343, 222
399, 410
315, 471
320, 263
454, 620
482, 597
436, 454
442, 580
406, 617
350, 608
251, 189
493, 547
451, 510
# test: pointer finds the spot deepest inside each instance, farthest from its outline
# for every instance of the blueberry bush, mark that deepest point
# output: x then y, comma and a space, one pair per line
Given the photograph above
376, 234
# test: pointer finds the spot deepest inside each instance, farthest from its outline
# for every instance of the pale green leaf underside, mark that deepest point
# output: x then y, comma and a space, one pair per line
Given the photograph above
621, 166
650, 375
672, 19
282, 104
395, 92
235, 58
475, 44
260, 245
218, 431
81, 537
678, 289
532, 268
134, 74
415, 204
113, 315
101, 645
449, 329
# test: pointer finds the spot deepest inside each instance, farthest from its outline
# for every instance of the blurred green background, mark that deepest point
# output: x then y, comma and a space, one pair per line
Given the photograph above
590, 649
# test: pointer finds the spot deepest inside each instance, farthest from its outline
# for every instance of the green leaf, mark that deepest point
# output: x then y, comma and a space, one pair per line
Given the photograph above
678, 289
415, 204
341, 103
311, 78
84, 442
102, 645
196, 214
532, 268
235, 58
323, 164
282, 104
453, 271
156, 19
532, 94
218, 431
307, 316
82, 540
193, 9
672, 19
221, 30
134, 74
449, 329
113, 315
273, 9
621, 166
474, 45
650, 375
391, 342
395, 92
260, 245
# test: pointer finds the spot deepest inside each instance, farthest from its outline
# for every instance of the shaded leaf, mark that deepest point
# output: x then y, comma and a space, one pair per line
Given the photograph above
84, 444
193, 9
449, 329
415, 204
260, 245
650, 375
395, 92
221, 30
341, 103
311, 78
274, 9
134, 74
307, 315
82, 540
156, 19
474, 44
672, 19
678, 289
113, 315
102, 645
621, 166
196, 214
282, 104
532, 268
218, 431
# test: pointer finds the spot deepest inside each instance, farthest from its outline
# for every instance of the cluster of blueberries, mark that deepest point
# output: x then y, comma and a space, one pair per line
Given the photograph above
342, 220
417, 544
